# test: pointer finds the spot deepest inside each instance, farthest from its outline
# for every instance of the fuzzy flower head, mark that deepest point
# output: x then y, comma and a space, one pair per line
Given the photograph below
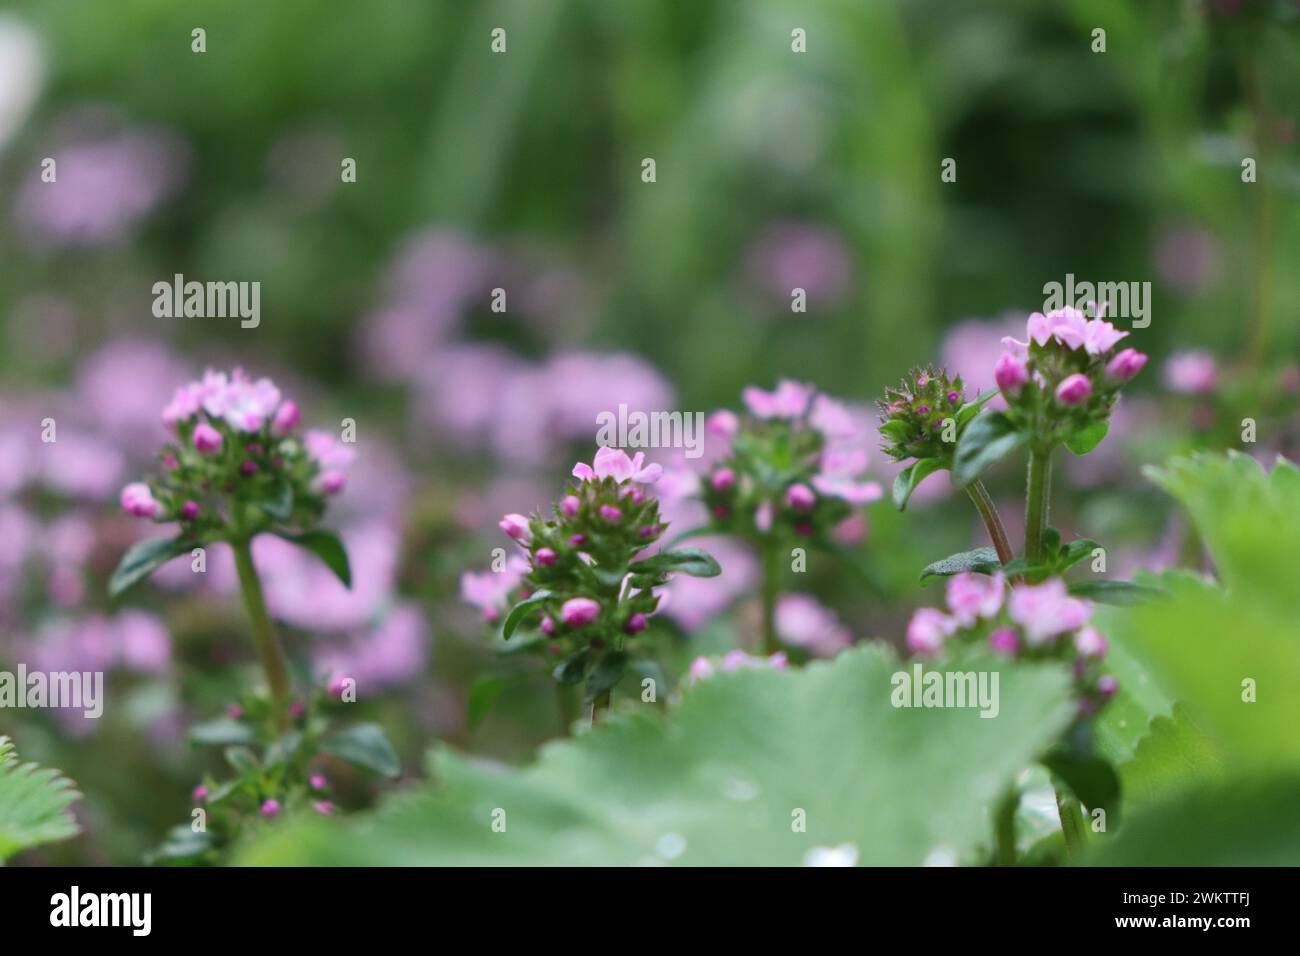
915, 415
1063, 380
236, 458
795, 466
593, 586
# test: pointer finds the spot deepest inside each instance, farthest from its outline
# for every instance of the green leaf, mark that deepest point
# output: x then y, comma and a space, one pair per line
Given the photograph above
284, 749
221, 732
987, 439
571, 669
365, 746
327, 546
1077, 550
972, 408
715, 778
482, 695
182, 846
607, 673
1121, 593
1086, 439
910, 477
143, 560
981, 560
242, 760
33, 804
521, 611
690, 561
1244, 821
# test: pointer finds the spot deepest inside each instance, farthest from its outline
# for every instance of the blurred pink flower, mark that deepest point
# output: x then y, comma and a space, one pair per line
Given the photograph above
793, 255
1194, 373
788, 400
614, 463
489, 590
973, 596
104, 187
393, 650
802, 621
1045, 611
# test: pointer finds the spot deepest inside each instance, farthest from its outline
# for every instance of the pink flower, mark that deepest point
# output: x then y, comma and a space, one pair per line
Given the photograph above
635, 624
200, 793
516, 526
330, 482
337, 685
789, 400
1074, 389
800, 497
802, 621
286, 419
323, 807
207, 439
927, 630
833, 420
247, 405
1107, 686
763, 517
722, 479
1046, 611
579, 612
840, 469
700, 668
972, 596
722, 424
489, 590
235, 712
1125, 365
184, 405
329, 452
1194, 373
1089, 642
1010, 373
271, 808
545, 557
139, 501
614, 463
570, 505
190, 510
610, 513
1004, 642
1100, 337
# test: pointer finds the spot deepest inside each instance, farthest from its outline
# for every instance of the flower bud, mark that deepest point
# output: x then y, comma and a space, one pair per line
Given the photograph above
190, 510
927, 630
545, 557
1074, 390
1004, 642
207, 440
1090, 643
723, 479
271, 808
635, 624
1010, 374
800, 497
610, 513
579, 612
1125, 365
286, 419
516, 526
139, 501
317, 781
570, 505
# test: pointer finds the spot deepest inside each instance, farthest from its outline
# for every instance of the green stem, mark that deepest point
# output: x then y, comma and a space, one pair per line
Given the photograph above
1071, 823
771, 585
566, 697
1005, 827
599, 706
979, 496
1037, 502
268, 647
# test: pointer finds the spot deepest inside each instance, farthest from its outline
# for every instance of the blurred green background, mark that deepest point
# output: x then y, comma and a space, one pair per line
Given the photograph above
522, 170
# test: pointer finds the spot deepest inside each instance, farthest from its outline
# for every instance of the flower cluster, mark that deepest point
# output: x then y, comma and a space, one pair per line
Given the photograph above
1064, 379
705, 667
236, 444
914, 413
1036, 621
793, 465
591, 588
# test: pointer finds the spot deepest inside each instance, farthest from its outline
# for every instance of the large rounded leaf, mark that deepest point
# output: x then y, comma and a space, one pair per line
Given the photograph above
752, 767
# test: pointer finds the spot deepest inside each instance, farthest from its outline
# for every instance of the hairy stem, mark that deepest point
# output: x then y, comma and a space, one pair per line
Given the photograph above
1037, 502
268, 647
979, 496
